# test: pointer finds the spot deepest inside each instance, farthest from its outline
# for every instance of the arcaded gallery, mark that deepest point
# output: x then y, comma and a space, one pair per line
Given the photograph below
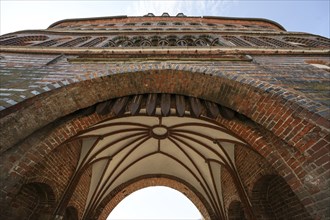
231, 112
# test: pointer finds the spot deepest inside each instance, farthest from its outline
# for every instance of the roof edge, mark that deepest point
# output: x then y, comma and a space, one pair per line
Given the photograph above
206, 17
85, 19
247, 19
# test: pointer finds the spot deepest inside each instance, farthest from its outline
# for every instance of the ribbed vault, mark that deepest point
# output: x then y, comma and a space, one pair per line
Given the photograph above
193, 150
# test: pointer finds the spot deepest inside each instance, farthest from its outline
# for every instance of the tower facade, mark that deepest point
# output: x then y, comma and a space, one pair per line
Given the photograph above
232, 112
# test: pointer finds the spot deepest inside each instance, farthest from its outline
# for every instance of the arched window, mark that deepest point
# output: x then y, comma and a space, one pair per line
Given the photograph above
94, 42
52, 42
305, 42
217, 42
163, 43
126, 43
74, 42
24, 41
109, 44
236, 41
256, 41
145, 43
276, 42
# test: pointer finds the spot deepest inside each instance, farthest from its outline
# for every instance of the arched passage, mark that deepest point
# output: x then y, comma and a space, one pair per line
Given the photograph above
157, 202
257, 135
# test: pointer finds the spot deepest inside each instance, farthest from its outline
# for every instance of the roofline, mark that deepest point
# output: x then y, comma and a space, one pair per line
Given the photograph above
85, 19
247, 19
206, 17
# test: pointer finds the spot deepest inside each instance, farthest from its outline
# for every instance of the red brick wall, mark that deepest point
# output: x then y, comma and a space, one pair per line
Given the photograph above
79, 197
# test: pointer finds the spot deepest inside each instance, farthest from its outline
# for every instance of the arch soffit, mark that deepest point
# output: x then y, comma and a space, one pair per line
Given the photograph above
228, 90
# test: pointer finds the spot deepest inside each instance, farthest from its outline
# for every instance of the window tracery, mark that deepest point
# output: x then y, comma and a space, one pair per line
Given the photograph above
24, 41
74, 42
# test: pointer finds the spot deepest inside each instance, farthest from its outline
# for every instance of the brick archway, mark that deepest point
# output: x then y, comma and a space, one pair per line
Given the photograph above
275, 136
126, 189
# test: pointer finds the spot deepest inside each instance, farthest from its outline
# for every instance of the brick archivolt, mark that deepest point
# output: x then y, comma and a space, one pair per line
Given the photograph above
264, 138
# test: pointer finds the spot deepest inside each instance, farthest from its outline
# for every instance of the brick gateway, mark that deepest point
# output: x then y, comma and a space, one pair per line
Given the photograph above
231, 112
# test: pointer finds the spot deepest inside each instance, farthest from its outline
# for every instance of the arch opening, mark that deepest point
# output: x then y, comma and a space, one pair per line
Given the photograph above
155, 202
34, 201
272, 198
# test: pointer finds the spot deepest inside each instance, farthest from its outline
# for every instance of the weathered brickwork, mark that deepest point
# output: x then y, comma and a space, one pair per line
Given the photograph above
58, 83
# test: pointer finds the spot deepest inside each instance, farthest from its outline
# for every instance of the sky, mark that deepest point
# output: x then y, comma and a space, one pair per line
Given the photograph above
311, 16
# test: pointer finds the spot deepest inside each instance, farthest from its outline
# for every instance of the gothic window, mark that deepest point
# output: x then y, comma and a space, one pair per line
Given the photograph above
24, 41
126, 43
217, 42
161, 23
129, 24
51, 42
142, 29
109, 44
6, 37
163, 43
236, 41
181, 43
146, 23
276, 42
74, 42
177, 23
172, 40
94, 42
157, 29
154, 41
190, 39
145, 43
304, 42
256, 41
201, 43
324, 40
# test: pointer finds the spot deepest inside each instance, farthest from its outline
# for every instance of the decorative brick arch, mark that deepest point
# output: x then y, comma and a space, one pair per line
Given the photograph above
110, 202
270, 194
235, 211
35, 199
275, 136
